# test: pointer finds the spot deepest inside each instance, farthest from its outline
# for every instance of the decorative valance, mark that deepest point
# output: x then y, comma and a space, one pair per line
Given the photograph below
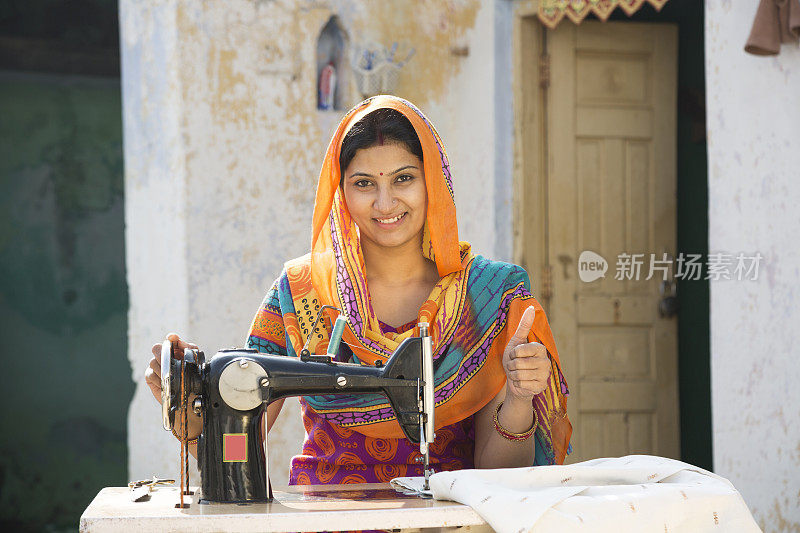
552, 11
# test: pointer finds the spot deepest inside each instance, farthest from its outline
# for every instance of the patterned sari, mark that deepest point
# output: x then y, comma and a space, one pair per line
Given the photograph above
473, 311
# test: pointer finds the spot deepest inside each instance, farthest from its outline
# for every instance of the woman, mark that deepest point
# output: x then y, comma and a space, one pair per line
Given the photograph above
385, 250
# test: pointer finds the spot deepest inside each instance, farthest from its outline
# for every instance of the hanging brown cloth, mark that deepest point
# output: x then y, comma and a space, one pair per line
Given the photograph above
776, 22
552, 11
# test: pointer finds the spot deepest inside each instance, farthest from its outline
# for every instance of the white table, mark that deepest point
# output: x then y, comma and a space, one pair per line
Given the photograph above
296, 508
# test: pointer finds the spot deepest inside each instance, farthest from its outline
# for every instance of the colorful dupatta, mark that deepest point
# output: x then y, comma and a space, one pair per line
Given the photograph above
473, 310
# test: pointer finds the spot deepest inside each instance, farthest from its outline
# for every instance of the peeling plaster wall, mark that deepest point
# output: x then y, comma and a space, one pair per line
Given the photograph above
223, 145
156, 205
754, 163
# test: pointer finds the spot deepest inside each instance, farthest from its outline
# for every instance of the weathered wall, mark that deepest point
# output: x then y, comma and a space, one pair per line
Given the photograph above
754, 157
62, 298
223, 146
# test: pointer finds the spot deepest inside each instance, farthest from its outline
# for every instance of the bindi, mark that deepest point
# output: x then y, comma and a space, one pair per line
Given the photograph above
381, 173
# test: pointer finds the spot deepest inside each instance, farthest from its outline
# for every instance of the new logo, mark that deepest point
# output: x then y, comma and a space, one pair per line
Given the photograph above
591, 266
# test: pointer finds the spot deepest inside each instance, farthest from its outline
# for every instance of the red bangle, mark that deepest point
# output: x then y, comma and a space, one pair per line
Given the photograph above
506, 434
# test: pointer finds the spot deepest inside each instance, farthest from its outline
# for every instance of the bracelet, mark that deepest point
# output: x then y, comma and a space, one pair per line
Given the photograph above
190, 441
506, 434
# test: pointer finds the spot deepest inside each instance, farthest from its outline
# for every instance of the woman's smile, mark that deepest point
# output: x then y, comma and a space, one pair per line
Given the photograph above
393, 222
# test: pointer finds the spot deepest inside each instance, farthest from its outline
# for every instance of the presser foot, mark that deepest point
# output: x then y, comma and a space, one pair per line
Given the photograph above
426, 486
427, 471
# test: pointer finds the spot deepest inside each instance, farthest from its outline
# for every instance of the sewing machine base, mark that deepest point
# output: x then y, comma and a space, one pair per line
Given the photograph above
295, 508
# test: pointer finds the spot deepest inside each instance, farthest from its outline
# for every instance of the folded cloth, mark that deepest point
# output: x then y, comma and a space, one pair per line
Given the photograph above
776, 22
631, 493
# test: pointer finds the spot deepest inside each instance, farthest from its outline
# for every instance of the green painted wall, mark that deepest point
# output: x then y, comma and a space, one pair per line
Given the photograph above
63, 298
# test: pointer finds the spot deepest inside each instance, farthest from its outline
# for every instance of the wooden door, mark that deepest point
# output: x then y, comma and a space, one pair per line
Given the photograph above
610, 133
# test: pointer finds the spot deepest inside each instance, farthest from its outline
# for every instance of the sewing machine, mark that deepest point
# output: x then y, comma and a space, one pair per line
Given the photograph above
235, 387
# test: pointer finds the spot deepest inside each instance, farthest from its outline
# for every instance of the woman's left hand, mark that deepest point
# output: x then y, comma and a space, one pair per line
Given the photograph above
526, 364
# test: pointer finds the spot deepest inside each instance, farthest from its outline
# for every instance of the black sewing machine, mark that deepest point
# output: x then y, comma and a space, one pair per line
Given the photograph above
235, 386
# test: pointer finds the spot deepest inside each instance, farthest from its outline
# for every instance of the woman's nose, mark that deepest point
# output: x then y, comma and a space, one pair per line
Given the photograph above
386, 200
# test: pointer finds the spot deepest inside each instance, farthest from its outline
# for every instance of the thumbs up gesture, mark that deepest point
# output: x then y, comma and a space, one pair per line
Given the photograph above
526, 364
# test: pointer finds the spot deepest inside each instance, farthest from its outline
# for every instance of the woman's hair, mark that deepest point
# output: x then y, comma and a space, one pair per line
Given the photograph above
377, 128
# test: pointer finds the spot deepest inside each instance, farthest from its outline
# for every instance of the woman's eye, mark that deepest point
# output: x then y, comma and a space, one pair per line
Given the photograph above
362, 183
404, 178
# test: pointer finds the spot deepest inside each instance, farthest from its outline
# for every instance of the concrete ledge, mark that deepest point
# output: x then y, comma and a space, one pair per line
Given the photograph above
296, 508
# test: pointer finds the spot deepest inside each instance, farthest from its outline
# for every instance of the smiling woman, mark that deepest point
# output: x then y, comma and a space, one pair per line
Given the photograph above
385, 250
385, 193
383, 182
382, 199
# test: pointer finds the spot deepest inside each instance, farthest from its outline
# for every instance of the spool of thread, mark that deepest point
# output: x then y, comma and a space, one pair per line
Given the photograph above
336, 335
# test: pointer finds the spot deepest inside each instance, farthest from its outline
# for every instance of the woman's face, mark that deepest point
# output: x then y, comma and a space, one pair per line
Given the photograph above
384, 188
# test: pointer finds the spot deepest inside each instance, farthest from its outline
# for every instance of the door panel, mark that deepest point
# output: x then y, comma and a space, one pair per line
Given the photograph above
611, 184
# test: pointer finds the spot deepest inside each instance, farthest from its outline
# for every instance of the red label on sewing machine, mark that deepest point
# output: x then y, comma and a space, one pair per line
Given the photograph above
234, 447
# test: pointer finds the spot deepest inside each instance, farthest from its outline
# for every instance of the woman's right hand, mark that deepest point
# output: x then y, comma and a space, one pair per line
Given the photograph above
152, 376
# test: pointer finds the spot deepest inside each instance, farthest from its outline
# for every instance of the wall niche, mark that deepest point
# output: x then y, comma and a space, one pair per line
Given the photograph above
332, 67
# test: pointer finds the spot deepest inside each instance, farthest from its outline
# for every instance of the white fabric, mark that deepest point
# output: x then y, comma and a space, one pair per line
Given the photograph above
639, 493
